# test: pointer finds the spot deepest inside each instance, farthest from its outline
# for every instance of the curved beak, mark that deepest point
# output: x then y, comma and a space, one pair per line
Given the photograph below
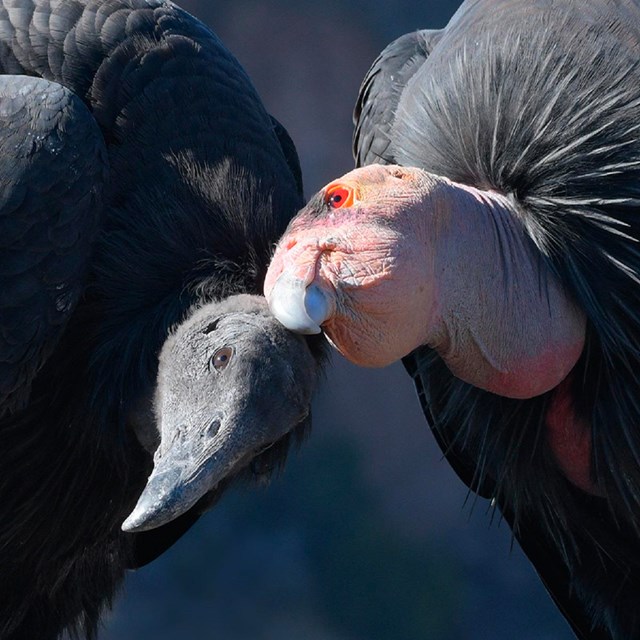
213, 422
190, 468
295, 297
299, 307
169, 493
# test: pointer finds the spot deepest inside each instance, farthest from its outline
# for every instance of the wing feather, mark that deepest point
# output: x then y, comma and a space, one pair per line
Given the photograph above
52, 168
380, 93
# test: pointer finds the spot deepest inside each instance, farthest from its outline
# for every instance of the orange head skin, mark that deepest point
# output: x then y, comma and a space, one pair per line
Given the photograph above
389, 258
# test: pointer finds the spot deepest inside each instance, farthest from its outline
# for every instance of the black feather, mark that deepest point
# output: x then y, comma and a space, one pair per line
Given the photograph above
201, 185
540, 101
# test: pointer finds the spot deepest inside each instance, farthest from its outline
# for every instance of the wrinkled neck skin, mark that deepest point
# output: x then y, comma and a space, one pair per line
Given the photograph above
498, 316
413, 259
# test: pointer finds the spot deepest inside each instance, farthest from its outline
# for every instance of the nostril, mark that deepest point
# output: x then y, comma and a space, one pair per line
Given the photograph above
398, 172
329, 244
212, 430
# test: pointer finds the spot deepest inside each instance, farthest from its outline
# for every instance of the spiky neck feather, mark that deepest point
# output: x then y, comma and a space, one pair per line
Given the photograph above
496, 110
505, 325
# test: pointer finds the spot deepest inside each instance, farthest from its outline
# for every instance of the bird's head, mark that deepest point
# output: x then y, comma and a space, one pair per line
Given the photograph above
389, 258
232, 384
347, 263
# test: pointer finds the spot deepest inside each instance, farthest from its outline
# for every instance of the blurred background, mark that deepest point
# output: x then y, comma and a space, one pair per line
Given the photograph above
368, 535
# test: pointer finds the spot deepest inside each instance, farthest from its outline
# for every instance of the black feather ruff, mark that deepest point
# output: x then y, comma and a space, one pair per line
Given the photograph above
541, 102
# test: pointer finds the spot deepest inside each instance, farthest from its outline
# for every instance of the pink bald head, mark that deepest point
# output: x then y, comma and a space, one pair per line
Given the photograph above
374, 282
388, 258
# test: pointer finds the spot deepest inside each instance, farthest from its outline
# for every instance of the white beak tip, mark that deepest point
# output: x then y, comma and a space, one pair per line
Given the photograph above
299, 308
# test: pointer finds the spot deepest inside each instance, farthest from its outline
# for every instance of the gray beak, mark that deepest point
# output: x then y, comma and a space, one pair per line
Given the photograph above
213, 418
168, 494
188, 470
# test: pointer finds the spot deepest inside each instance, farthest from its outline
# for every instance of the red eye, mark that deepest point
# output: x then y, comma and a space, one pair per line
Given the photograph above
339, 196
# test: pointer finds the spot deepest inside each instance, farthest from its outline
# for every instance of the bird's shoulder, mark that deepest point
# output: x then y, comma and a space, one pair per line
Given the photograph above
380, 92
52, 171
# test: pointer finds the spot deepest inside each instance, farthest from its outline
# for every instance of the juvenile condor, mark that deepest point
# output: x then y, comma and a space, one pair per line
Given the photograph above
142, 187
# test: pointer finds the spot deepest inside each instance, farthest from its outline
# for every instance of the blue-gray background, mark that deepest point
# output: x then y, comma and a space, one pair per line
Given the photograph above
366, 536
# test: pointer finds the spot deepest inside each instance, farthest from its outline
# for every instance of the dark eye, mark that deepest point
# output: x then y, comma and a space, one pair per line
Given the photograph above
338, 196
220, 359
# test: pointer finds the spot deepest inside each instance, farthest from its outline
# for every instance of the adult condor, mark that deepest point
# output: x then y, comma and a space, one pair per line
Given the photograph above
142, 187
490, 238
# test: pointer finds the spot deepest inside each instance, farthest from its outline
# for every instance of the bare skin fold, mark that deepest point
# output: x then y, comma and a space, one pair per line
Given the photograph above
388, 258
509, 289
414, 259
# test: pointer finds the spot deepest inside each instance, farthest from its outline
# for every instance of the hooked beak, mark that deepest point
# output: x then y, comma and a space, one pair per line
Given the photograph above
185, 472
215, 421
295, 296
299, 307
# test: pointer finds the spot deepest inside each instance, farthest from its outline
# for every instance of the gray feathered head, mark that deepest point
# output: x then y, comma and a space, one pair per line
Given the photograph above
232, 384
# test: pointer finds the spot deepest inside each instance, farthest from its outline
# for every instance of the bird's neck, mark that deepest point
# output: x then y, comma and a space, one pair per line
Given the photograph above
504, 322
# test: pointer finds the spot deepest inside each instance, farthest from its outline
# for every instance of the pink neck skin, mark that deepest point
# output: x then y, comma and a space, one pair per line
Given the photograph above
569, 438
503, 322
